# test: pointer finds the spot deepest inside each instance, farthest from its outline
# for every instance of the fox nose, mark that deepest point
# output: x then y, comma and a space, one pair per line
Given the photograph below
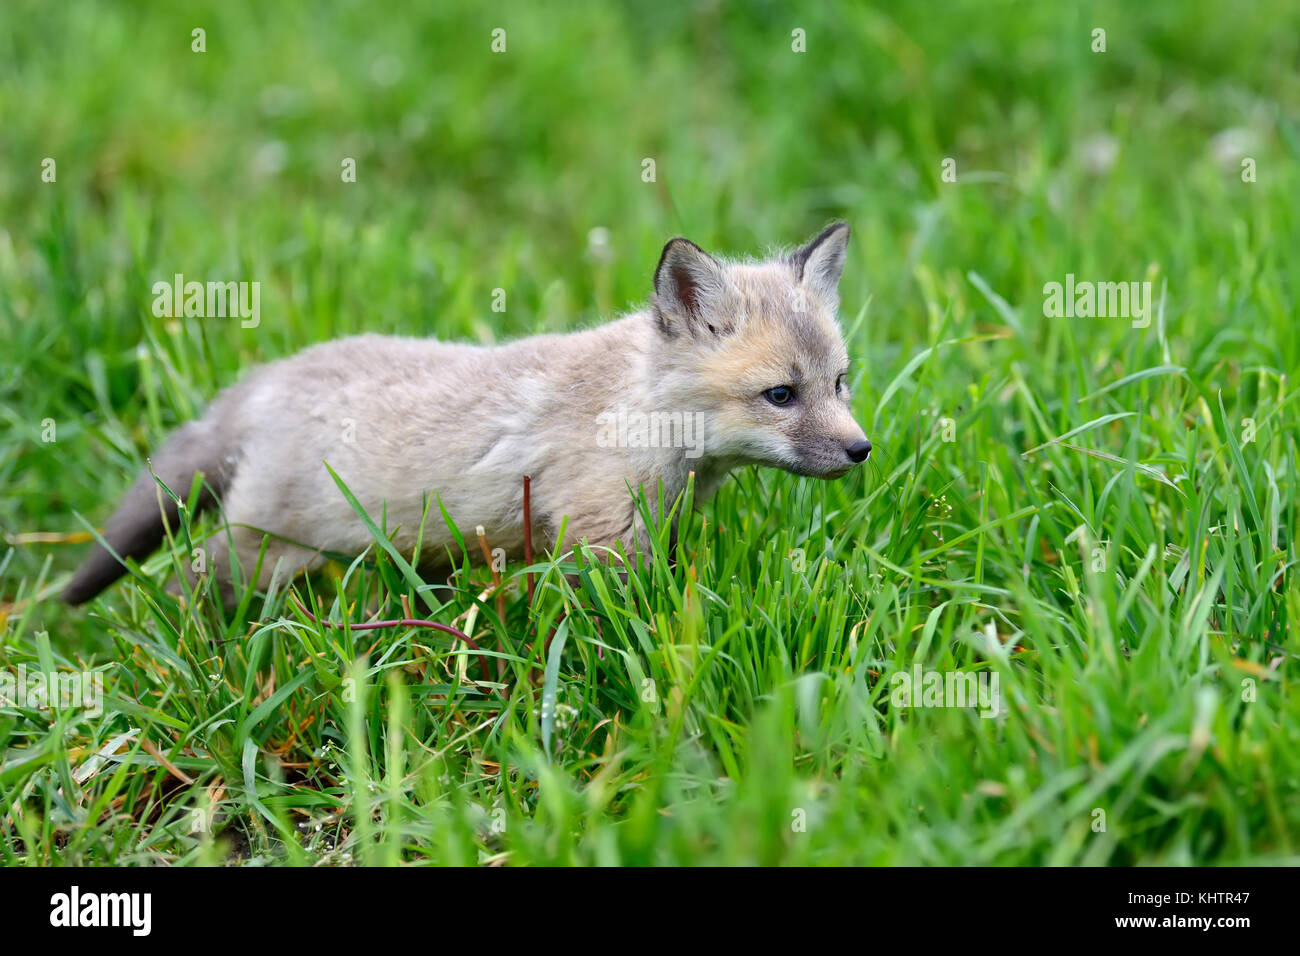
859, 450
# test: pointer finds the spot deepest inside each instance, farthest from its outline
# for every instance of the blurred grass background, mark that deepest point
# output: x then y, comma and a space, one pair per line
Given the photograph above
479, 170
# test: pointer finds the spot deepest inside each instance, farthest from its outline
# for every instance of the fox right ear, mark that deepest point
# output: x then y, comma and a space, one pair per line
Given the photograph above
689, 286
821, 260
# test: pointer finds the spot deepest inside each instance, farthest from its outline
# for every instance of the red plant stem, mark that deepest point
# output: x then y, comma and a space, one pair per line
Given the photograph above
500, 594
402, 622
528, 535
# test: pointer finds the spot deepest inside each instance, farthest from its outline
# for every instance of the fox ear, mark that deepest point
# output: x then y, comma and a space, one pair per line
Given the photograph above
689, 287
819, 262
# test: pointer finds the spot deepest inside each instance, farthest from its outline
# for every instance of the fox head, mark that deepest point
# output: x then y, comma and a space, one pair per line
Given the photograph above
757, 348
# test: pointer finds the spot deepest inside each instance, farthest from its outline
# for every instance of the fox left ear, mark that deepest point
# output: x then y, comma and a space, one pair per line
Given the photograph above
820, 262
690, 289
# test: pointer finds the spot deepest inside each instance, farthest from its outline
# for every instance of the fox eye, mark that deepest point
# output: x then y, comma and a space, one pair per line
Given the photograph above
781, 395
841, 384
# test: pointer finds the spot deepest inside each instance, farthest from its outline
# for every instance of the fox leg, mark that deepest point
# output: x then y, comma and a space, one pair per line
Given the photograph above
242, 544
607, 537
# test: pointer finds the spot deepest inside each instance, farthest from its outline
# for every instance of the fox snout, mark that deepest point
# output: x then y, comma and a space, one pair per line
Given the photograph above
858, 451
831, 451
853, 451
848, 446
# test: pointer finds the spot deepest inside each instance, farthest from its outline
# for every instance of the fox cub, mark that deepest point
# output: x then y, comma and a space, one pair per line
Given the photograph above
732, 363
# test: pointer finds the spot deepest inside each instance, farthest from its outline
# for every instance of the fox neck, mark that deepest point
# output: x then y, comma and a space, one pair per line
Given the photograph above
663, 396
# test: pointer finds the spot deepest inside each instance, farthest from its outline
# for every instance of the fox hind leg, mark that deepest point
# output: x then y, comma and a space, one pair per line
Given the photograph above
234, 553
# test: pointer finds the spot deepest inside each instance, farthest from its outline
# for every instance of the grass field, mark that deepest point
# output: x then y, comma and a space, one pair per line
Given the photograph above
1100, 513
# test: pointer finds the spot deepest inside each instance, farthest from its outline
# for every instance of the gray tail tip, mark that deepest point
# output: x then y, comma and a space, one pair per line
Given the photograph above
77, 592
99, 571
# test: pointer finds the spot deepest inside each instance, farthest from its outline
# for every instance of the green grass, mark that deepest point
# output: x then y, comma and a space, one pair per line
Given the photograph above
1132, 586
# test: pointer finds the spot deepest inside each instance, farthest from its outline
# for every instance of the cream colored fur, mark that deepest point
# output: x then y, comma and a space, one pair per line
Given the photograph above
403, 419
